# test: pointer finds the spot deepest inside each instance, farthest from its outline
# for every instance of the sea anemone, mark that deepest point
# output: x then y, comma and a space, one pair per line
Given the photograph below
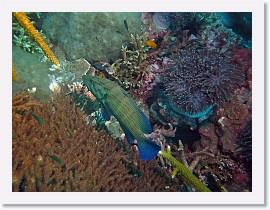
198, 79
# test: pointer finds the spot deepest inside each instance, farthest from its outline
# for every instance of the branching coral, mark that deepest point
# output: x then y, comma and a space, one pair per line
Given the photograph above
184, 172
222, 173
23, 102
31, 30
130, 69
65, 154
14, 74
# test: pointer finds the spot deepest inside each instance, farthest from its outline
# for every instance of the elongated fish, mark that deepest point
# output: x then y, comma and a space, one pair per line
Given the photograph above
116, 101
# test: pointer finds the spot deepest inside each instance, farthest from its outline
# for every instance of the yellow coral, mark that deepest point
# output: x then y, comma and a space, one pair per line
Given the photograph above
181, 170
32, 31
14, 74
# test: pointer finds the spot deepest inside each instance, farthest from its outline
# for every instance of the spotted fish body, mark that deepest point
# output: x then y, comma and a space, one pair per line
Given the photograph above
119, 103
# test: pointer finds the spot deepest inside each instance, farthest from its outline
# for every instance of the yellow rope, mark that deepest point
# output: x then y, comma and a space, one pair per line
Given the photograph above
32, 31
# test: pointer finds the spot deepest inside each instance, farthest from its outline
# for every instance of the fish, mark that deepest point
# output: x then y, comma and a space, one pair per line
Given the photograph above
126, 25
39, 119
117, 102
57, 159
151, 44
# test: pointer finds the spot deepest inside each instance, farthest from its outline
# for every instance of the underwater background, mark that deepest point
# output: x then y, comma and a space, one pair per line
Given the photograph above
188, 74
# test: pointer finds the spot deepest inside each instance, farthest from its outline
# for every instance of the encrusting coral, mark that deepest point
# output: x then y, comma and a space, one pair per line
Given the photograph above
32, 31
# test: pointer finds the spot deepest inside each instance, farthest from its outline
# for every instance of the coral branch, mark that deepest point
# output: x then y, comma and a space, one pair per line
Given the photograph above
32, 31
182, 155
24, 102
184, 172
14, 74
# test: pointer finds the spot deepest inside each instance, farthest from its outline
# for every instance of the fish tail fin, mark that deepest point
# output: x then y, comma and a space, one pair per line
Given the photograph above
147, 149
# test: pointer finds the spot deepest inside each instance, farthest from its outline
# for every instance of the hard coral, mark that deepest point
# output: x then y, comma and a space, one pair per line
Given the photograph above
63, 153
57, 151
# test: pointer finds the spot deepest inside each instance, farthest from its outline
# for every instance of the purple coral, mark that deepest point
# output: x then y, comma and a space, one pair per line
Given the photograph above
198, 79
192, 103
220, 78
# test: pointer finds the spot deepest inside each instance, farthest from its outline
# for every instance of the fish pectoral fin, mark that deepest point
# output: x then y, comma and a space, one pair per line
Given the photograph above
130, 138
147, 149
105, 112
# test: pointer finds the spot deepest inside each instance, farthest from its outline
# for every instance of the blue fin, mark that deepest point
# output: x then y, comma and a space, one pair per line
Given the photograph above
128, 135
105, 112
147, 149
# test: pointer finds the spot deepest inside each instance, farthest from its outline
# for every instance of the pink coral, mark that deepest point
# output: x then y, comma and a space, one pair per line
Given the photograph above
243, 57
149, 81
